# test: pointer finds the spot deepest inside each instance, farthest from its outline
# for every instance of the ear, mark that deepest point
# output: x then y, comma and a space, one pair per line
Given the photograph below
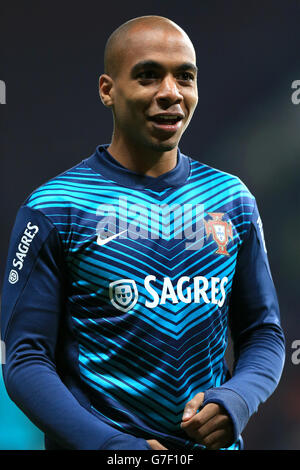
106, 90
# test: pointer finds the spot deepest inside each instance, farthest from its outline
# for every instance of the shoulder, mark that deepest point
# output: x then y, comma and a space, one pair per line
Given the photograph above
202, 170
217, 180
223, 193
63, 189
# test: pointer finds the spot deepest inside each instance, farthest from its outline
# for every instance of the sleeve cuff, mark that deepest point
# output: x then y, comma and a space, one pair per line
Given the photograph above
233, 403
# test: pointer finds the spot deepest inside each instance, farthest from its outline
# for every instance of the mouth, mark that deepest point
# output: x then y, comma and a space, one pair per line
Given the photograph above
167, 122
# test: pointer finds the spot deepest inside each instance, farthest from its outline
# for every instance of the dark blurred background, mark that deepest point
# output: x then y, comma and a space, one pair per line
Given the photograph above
246, 124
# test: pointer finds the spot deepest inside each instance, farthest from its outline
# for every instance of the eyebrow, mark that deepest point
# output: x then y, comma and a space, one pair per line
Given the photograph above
153, 64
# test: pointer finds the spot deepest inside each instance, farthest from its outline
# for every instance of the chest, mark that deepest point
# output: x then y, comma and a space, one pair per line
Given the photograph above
163, 252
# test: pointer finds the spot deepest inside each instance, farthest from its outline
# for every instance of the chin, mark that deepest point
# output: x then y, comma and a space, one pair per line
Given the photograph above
163, 146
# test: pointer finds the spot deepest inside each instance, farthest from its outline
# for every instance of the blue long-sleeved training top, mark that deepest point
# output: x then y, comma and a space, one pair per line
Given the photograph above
119, 294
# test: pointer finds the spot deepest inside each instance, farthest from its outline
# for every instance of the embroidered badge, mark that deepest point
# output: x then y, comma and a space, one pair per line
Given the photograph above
220, 230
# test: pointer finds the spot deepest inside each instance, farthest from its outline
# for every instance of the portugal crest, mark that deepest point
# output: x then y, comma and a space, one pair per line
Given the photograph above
220, 230
123, 294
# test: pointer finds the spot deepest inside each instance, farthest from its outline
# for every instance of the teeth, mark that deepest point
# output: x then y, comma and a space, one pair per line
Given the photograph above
167, 118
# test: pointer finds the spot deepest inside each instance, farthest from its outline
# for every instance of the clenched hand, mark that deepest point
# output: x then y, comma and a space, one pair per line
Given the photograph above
211, 426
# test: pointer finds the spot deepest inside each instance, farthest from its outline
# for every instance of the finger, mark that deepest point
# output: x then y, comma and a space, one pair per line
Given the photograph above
198, 434
209, 411
155, 445
160, 446
218, 422
204, 415
163, 448
216, 440
192, 406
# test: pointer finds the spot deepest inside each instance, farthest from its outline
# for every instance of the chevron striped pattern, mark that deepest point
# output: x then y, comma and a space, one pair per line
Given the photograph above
142, 365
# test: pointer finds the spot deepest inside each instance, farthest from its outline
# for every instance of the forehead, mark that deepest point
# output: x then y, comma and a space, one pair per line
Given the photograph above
167, 46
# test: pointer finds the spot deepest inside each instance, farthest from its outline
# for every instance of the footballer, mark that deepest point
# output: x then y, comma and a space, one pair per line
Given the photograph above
127, 273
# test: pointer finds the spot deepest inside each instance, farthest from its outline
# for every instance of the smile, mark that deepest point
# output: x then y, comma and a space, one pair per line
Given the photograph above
167, 122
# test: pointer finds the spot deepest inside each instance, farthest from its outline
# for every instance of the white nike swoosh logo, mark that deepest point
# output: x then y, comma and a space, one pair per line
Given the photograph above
101, 241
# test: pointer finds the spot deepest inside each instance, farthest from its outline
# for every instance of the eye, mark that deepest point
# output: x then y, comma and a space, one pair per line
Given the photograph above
186, 76
147, 75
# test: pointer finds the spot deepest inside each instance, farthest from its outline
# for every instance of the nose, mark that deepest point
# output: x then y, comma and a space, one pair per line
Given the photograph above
168, 92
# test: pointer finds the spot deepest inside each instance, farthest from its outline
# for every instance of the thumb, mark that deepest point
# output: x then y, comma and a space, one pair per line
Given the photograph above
192, 406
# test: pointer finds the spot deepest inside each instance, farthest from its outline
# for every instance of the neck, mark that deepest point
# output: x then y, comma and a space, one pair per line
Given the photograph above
142, 160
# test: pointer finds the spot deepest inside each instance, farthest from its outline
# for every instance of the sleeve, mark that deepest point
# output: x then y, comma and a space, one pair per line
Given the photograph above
32, 302
258, 339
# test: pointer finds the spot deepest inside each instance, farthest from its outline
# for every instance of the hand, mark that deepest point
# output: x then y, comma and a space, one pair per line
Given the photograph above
155, 445
211, 426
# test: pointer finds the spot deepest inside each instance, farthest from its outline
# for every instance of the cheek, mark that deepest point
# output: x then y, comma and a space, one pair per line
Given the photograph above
129, 107
191, 99
131, 104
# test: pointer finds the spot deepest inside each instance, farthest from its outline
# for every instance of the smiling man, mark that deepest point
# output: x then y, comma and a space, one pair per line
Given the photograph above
126, 272
150, 84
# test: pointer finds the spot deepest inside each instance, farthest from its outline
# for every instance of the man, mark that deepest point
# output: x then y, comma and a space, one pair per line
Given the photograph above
125, 272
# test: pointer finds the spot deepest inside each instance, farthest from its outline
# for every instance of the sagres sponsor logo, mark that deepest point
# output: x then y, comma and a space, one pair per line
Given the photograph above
124, 295
153, 221
22, 250
13, 276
